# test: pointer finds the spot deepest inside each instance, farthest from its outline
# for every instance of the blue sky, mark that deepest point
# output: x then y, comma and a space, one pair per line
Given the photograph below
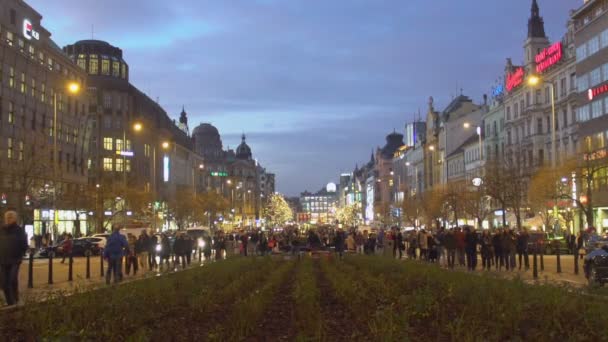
315, 84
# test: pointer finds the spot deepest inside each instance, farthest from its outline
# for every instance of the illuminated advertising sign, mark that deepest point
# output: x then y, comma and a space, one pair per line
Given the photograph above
498, 91
28, 31
515, 79
125, 153
593, 92
166, 169
548, 57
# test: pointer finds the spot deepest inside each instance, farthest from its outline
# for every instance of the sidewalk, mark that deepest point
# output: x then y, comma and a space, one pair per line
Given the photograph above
61, 286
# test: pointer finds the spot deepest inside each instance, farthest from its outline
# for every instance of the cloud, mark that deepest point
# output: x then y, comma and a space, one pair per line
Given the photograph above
317, 83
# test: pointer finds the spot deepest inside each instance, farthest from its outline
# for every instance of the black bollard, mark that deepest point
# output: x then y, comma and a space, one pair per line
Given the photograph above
535, 264
200, 254
559, 262
101, 263
70, 262
88, 254
575, 255
542, 260
30, 271
50, 267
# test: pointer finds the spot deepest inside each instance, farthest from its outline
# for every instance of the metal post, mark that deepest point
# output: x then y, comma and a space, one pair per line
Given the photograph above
576, 262
70, 263
535, 263
559, 263
55, 164
88, 276
542, 260
50, 267
101, 268
200, 254
30, 271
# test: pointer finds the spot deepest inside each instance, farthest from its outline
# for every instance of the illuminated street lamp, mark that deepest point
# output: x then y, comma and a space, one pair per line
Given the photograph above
533, 81
466, 125
165, 145
137, 127
72, 88
432, 148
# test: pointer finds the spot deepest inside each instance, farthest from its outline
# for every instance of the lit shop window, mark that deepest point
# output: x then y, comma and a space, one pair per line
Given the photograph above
107, 144
108, 164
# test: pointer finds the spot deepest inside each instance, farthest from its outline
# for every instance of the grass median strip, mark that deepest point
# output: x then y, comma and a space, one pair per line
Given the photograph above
442, 304
307, 300
132, 309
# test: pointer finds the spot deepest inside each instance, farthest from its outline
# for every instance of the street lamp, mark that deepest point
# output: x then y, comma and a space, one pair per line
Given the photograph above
72, 88
137, 127
466, 125
533, 81
165, 145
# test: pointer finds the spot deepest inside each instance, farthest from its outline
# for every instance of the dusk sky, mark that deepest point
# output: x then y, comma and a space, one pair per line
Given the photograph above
314, 84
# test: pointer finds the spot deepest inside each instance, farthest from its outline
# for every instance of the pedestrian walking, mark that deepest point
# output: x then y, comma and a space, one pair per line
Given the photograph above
244, 242
441, 257
13, 245
153, 251
339, 242
113, 253
141, 248
522, 249
165, 250
66, 247
179, 248
471, 248
220, 245
398, 246
131, 255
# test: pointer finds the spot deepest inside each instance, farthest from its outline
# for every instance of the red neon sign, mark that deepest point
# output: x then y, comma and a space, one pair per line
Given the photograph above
548, 57
515, 79
593, 92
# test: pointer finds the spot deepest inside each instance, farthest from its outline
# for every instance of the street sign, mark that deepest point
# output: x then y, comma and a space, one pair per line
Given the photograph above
219, 174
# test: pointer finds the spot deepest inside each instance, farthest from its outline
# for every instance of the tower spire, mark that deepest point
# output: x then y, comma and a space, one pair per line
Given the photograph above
536, 24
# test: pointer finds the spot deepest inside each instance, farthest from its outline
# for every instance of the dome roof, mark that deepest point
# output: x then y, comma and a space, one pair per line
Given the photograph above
243, 151
205, 129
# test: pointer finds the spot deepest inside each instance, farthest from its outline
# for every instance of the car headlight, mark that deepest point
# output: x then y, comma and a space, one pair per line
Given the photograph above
201, 243
159, 248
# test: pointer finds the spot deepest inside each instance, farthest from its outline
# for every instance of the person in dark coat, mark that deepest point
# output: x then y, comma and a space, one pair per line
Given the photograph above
152, 243
114, 252
13, 245
179, 248
339, 243
207, 246
449, 242
497, 244
165, 249
486, 250
398, 244
522, 249
471, 248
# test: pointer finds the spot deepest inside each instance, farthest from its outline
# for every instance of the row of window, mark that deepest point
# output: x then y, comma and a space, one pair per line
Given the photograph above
593, 110
29, 50
111, 144
525, 129
592, 46
492, 130
15, 151
117, 164
593, 78
560, 91
118, 69
64, 132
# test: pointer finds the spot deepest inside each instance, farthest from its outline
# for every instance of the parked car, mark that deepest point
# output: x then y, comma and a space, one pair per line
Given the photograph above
103, 239
79, 248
